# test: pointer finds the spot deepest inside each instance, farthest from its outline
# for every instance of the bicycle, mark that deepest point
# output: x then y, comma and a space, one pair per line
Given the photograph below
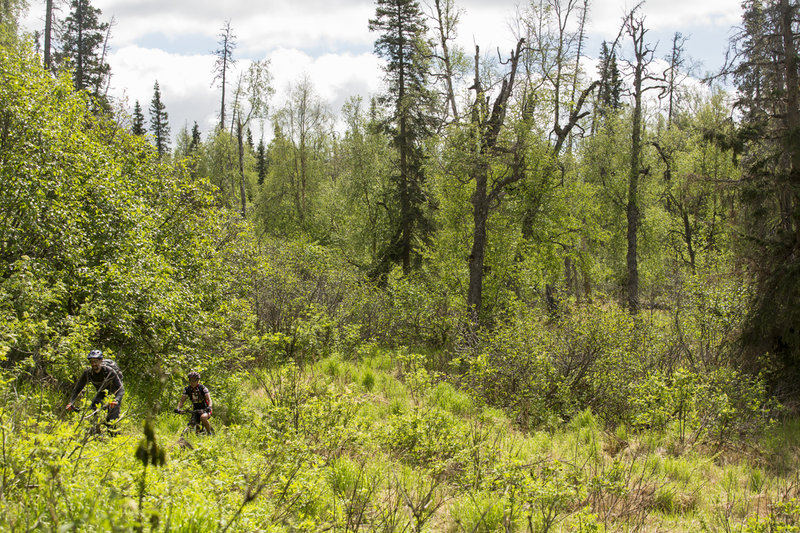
94, 419
95, 430
195, 423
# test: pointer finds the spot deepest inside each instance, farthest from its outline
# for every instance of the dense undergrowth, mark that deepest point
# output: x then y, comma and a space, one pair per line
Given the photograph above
376, 442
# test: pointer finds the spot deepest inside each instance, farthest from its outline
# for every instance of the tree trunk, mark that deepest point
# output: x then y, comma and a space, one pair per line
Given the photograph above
792, 109
442, 19
240, 141
482, 198
48, 33
480, 215
405, 194
79, 51
633, 215
303, 170
405, 204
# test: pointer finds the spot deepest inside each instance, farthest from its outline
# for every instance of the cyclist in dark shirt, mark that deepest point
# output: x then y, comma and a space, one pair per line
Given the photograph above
201, 401
107, 382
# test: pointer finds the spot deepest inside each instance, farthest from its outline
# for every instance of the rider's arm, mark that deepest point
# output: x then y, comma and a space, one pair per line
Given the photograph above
116, 384
78, 387
208, 400
180, 402
120, 391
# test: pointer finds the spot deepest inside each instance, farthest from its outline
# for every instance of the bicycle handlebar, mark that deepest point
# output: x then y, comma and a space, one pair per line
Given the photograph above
194, 411
77, 409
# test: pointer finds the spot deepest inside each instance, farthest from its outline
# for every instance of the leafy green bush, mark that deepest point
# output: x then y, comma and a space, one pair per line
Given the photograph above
622, 368
429, 438
539, 369
783, 517
422, 314
482, 512
111, 248
720, 406
511, 368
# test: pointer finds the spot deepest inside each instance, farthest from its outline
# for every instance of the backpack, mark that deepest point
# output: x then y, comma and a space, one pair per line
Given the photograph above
111, 364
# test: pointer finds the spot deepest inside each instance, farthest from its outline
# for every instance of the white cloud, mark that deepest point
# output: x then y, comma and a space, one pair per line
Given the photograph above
171, 41
259, 27
667, 15
184, 82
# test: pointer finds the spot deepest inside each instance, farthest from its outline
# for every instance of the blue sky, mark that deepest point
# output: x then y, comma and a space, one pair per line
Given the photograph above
171, 41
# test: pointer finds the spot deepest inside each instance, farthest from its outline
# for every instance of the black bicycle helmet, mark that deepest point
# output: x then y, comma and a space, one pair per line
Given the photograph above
95, 354
194, 376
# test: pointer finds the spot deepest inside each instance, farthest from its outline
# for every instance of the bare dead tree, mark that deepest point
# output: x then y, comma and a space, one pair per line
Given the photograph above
445, 17
487, 127
642, 58
224, 61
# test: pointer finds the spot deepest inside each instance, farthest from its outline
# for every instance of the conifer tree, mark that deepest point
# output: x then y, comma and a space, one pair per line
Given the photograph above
402, 28
82, 47
767, 75
261, 161
138, 128
159, 122
608, 94
195, 142
250, 140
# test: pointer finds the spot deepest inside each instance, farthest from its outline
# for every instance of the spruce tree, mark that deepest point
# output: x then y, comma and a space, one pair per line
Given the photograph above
195, 142
261, 162
608, 94
766, 76
137, 127
83, 47
402, 28
159, 122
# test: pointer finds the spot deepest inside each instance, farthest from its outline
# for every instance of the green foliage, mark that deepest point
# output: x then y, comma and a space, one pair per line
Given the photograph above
315, 452
356, 199
541, 370
783, 516
83, 44
769, 190
303, 299
109, 248
424, 438
421, 312
588, 358
10, 13
479, 512
722, 406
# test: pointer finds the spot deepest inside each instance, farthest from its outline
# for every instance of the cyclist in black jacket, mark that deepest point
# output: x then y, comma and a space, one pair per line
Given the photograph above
107, 382
201, 401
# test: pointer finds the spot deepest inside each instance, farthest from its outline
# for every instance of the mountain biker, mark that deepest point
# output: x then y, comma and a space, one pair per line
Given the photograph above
201, 401
107, 382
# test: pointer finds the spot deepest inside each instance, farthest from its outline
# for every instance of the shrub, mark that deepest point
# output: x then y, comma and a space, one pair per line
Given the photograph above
537, 369
512, 369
